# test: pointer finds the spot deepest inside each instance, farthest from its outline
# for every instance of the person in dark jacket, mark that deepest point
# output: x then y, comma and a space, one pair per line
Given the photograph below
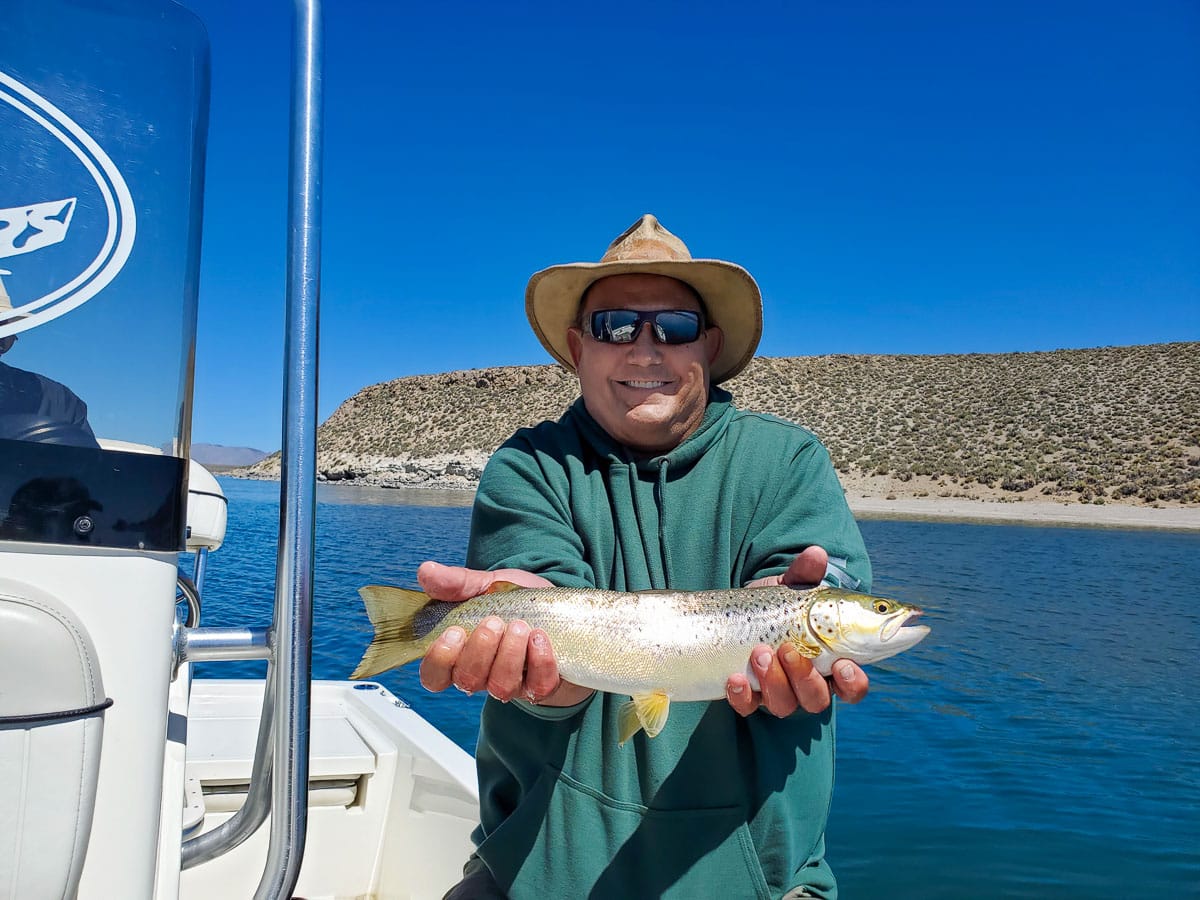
653, 479
34, 407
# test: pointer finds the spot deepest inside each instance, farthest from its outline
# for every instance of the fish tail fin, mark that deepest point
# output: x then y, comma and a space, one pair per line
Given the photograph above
396, 642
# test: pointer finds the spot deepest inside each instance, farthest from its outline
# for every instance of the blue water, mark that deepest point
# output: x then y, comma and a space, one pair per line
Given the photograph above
1042, 742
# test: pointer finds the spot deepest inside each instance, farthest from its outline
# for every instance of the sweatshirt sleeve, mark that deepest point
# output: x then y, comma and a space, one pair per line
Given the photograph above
810, 508
522, 518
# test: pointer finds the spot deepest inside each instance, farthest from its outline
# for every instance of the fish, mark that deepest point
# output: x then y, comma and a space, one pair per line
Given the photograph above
653, 646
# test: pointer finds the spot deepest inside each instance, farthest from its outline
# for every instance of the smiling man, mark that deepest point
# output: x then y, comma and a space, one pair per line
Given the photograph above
648, 394
652, 480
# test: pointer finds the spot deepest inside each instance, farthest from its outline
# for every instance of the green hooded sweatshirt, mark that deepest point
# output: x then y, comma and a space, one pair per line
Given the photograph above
716, 805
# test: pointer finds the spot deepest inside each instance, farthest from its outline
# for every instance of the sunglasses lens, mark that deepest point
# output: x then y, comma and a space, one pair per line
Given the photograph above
621, 326
615, 326
677, 326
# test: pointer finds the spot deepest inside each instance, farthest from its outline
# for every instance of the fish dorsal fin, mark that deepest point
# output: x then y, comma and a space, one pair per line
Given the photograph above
502, 587
647, 711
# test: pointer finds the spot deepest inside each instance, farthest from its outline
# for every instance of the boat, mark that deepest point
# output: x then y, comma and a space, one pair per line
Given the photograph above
122, 774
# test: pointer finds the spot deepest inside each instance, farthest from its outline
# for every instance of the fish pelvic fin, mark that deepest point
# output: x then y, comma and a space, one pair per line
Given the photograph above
391, 610
647, 711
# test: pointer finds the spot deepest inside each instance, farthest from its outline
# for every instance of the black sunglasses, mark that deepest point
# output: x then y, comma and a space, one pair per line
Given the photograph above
669, 326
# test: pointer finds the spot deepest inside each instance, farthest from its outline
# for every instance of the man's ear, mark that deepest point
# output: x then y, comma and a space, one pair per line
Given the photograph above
575, 344
716, 340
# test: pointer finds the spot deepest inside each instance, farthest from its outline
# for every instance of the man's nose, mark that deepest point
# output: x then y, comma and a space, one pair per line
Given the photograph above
644, 346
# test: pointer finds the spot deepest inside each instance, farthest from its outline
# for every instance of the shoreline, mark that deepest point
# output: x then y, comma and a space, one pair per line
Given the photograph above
1084, 515
873, 505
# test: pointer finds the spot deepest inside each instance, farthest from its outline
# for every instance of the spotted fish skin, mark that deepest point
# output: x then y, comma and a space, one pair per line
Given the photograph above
684, 644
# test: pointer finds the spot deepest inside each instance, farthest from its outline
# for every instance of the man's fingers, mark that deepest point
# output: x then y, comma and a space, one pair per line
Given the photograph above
741, 696
849, 681
508, 669
807, 567
543, 682
541, 669
455, 583
452, 582
789, 681
807, 685
479, 652
777, 694
437, 668
508, 661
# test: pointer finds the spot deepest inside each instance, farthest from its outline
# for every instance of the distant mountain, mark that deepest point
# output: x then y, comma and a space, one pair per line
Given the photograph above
218, 455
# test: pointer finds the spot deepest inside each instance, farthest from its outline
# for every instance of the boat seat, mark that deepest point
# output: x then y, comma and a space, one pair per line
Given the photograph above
52, 706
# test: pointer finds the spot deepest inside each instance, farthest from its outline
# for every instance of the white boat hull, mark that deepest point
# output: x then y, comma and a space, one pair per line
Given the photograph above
392, 801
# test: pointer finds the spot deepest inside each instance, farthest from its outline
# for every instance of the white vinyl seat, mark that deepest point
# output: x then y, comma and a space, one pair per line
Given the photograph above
52, 704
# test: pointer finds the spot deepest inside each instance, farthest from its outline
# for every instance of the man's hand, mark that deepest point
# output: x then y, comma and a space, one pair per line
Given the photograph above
506, 659
788, 680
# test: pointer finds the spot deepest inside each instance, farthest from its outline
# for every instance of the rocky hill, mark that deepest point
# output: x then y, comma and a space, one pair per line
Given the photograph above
1107, 425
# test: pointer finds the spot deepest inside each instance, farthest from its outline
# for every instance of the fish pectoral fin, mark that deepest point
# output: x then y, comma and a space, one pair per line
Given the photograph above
647, 711
804, 645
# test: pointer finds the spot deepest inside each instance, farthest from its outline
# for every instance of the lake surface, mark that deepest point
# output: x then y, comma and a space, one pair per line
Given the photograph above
1043, 741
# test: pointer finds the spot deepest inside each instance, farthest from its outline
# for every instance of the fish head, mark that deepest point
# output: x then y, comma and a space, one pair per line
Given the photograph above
861, 627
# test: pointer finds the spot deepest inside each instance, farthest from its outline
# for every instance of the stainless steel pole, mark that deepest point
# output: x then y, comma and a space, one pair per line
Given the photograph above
292, 632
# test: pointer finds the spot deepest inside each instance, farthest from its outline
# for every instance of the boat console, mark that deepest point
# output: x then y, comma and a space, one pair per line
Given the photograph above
121, 775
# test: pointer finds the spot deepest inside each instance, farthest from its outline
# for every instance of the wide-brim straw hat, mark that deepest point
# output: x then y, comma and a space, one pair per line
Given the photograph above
7, 313
731, 297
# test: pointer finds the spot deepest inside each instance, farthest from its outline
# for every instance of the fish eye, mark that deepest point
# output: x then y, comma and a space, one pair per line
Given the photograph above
882, 607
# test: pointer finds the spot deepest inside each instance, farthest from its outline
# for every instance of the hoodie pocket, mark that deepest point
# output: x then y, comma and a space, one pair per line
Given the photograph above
567, 839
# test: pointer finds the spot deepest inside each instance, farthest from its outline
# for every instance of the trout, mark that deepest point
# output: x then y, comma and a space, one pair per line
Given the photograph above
654, 646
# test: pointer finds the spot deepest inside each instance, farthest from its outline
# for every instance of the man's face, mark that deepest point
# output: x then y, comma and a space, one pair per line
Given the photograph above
647, 395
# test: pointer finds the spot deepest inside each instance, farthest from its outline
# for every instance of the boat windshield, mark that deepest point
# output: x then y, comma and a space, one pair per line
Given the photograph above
104, 122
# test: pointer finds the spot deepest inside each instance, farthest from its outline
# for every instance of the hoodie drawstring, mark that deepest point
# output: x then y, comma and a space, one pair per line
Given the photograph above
660, 497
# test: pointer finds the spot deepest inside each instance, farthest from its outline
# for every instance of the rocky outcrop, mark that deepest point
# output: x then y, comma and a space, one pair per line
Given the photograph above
1113, 424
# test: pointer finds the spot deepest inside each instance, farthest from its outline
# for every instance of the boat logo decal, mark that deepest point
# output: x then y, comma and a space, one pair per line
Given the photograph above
67, 219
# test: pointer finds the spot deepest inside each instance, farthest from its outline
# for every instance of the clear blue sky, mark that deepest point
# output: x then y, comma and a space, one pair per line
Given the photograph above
926, 177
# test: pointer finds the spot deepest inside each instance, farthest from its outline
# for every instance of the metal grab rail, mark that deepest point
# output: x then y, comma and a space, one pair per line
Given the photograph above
191, 593
292, 630
284, 724
214, 644
254, 810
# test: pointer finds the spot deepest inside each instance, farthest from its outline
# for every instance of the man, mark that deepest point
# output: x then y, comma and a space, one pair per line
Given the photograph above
652, 480
32, 406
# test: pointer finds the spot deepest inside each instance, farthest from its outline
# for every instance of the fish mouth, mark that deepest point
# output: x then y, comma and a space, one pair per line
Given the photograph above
893, 625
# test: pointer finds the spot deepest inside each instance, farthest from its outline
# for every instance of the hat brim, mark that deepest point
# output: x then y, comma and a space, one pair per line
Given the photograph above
730, 295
